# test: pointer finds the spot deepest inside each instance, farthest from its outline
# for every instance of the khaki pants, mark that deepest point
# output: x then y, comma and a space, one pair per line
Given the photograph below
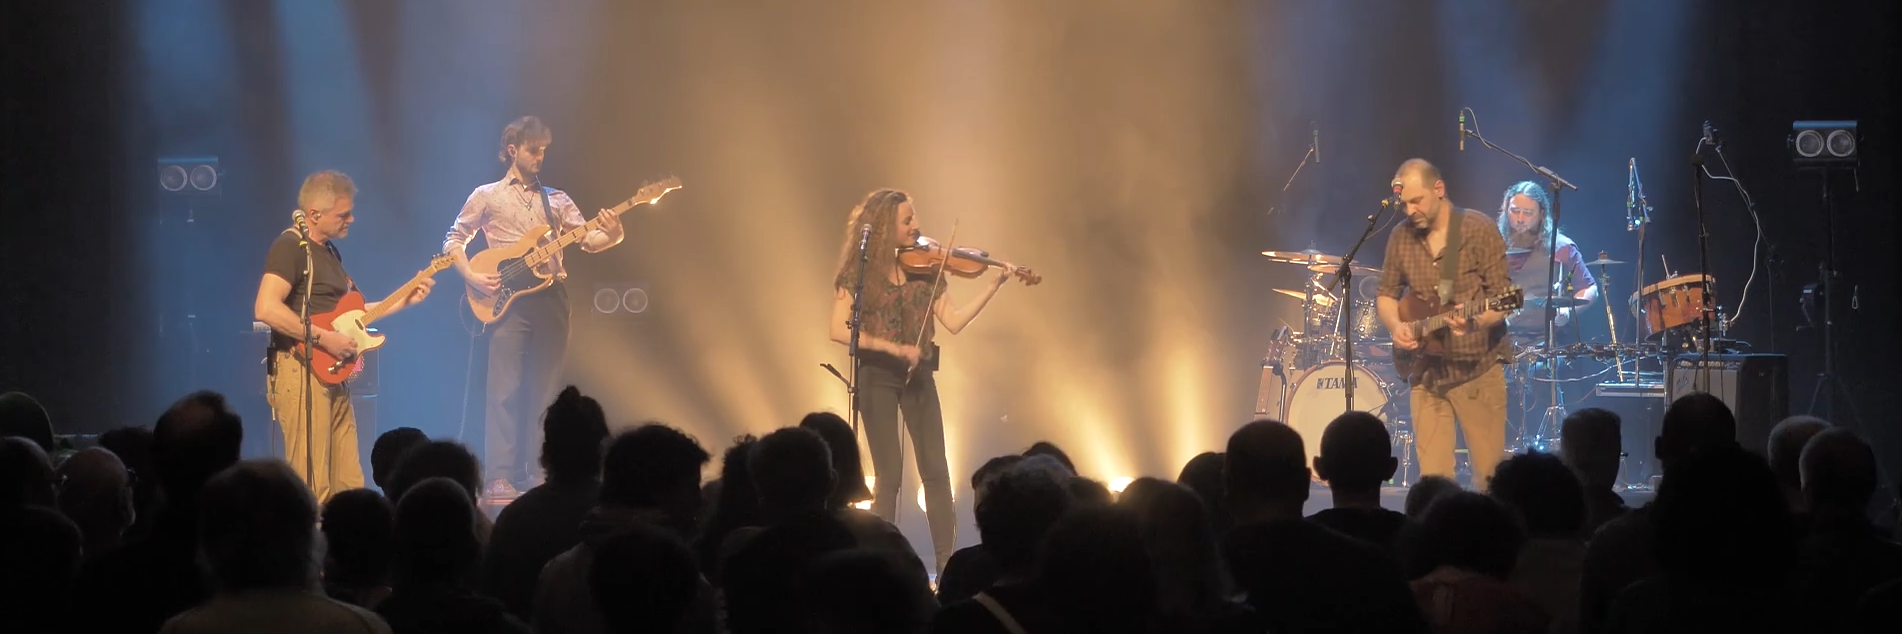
1480, 407
334, 466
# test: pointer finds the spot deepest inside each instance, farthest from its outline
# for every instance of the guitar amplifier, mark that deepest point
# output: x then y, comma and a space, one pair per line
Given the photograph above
1755, 386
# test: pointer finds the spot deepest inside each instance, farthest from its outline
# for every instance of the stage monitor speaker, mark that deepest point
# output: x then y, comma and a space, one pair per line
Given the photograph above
1755, 386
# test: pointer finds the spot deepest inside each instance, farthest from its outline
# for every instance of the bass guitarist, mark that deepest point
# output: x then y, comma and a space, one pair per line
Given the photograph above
1448, 257
329, 464
531, 339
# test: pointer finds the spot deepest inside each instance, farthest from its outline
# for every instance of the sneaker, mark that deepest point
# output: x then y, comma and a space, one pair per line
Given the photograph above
501, 490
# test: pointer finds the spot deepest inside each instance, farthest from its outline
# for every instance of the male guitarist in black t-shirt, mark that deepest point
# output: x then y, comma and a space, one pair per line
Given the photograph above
331, 466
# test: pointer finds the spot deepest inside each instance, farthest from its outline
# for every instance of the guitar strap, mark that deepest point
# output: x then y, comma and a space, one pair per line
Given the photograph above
548, 211
1450, 255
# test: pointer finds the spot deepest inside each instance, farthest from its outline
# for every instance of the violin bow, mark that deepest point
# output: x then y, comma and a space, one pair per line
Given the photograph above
931, 310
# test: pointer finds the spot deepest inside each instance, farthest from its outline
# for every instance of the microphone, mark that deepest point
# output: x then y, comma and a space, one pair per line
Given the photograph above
1316, 143
1394, 200
1462, 130
865, 235
1710, 137
303, 233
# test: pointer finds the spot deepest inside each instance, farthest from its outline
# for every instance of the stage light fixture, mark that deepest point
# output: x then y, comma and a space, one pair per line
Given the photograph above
190, 176
1824, 143
621, 300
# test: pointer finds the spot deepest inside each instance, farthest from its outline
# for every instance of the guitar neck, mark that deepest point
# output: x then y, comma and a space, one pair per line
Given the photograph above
383, 307
1442, 320
554, 245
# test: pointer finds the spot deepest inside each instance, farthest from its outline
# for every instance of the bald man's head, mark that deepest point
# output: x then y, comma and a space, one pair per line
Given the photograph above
1839, 470
1418, 172
1786, 447
1694, 422
1422, 192
1266, 460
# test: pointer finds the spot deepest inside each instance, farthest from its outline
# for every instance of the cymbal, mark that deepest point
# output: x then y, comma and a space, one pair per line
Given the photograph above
1295, 294
1335, 268
1603, 261
1561, 302
1304, 257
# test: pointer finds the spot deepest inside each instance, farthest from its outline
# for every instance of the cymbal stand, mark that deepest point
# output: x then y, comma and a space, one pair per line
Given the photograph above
1610, 319
1554, 413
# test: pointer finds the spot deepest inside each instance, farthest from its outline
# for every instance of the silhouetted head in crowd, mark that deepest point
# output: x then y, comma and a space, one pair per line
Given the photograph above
436, 459
1470, 532
1591, 443
1356, 454
1096, 571
573, 430
22, 416
1265, 472
863, 592
1015, 514
435, 538
655, 467
133, 446
1694, 422
357, 528
1786, 449
257, 528
1839, 473
194, 440
989, 471
96, 493
1087, 492
644, 579
850, 486
736, 506
1422, 494
1047, 448
1203, 475
1720, 520
26, 475
1544, 492
388, 452
1182, 544
39, 559
792, 470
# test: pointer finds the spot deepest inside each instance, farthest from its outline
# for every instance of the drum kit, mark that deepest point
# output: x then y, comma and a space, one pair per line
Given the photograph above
1305, 371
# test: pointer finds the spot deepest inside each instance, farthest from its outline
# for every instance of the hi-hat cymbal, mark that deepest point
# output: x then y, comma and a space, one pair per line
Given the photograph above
1518, 251
1295, 294
1335, 268
1603, 261
1305, 257
1560, 302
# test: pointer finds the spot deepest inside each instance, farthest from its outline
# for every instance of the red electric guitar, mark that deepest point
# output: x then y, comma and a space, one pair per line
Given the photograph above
350, 318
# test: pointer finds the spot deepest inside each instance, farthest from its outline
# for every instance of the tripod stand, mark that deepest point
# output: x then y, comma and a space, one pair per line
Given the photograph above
1827, 383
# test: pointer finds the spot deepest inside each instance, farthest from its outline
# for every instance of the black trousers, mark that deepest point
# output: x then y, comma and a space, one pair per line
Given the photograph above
526, 351
883, 394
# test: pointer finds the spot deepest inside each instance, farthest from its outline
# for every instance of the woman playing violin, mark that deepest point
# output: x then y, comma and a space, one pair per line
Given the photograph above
896, 305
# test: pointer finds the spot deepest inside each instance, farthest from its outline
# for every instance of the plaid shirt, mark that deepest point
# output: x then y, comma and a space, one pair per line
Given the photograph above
1411, 267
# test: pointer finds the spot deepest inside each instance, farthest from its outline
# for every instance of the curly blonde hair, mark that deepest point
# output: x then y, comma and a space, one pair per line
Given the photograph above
879, 209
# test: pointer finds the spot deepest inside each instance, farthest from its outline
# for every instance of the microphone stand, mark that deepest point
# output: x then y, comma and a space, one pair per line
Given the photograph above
858, 310
310, 353
1345, 277
1297, 172
1554, 413
1703, 263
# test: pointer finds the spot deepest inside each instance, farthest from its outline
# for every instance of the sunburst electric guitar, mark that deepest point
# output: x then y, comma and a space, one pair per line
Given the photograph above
352, 320
517, 265
1428, 319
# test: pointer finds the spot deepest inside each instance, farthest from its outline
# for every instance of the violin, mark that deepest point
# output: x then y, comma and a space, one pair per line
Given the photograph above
925, 256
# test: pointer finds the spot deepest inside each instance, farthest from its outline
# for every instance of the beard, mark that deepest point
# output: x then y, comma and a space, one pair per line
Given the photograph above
1524, 239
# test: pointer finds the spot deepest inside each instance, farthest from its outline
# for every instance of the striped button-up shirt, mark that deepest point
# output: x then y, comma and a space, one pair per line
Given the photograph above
505, 210
1411, 266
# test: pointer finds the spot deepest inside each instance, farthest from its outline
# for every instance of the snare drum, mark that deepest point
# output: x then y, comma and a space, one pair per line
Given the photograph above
1321, 395
1670, 304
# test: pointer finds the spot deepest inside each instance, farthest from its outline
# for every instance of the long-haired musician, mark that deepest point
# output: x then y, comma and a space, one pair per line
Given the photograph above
1525, 222
896, 337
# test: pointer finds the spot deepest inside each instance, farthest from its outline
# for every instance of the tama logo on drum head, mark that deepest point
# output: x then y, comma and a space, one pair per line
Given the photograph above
1334, 383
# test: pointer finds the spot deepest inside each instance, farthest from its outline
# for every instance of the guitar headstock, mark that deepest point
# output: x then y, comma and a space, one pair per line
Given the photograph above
439, 263
1512, 299
652, 192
